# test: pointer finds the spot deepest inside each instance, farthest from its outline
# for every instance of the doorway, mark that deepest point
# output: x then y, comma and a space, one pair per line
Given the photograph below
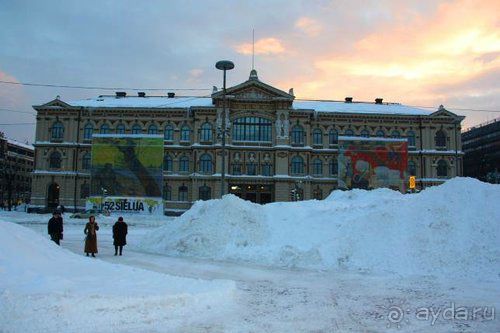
260, 194
53, 195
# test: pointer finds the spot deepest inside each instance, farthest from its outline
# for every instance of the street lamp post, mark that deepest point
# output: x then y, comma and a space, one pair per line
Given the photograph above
223, 65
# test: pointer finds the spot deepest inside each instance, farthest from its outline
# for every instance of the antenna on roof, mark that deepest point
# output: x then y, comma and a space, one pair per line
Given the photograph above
253, 48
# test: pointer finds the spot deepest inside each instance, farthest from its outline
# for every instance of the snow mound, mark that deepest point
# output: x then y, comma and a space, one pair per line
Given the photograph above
447, 230
44, 283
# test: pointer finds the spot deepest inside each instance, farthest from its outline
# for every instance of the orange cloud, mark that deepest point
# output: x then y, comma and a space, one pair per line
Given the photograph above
264, 46
309, 26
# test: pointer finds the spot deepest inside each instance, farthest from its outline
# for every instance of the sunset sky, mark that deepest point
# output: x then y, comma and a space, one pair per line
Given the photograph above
422, 53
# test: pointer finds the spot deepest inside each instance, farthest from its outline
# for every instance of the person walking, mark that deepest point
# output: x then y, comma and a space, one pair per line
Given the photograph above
55, 227
91, 240
120, 230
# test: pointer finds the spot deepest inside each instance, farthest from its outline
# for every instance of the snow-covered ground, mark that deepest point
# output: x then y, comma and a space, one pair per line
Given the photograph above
355, 262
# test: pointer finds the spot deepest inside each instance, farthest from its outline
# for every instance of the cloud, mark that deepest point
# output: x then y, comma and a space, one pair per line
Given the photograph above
264, 46
309, 26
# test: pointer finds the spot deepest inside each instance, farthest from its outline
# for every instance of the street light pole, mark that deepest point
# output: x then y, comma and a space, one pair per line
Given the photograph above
223, 65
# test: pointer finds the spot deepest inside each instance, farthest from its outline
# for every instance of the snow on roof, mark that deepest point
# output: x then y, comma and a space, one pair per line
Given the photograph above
187, 102
143, 102
20, 144
368, 108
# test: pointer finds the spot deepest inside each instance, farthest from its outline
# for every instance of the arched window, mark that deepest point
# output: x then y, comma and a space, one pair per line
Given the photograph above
442, 168
87, 131
395, 134
205, 192
167, 163
412, 168
86, 161
120, 129
152, 129
206, 163
55, 160
206, 132
317, 137
185, 133
251, 168
333, 166
136, 129
236, 169
254, 129
57, 131
411, 138
349, 132
84, 191
167, 193
440, 138
267, 169
184, 164
183, 193
104, 129
297, 165
380, 134
333, 137
297, 135
317, 166
169, 133
364, 133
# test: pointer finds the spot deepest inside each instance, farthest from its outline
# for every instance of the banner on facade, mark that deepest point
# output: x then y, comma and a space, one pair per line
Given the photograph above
124, 205
369, 163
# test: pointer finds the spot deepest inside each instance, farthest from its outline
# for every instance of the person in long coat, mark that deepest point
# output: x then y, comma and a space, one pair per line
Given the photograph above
120, 230
91, 240
55, 227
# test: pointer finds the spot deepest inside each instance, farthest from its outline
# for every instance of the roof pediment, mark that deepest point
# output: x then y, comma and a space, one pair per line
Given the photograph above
442, 112
54, 104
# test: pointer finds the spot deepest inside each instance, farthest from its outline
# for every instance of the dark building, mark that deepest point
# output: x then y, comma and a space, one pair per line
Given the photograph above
16, 166
481, 145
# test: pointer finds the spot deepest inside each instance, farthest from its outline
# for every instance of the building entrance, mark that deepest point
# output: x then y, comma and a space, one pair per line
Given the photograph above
53, 196
261, 194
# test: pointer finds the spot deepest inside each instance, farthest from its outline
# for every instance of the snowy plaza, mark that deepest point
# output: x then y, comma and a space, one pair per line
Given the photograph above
357, 261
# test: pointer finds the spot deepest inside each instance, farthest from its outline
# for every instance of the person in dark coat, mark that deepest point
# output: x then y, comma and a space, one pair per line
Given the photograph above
91, 240
55, 227
120, 230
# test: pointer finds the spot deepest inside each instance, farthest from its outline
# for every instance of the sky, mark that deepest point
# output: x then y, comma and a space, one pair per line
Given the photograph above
422, 53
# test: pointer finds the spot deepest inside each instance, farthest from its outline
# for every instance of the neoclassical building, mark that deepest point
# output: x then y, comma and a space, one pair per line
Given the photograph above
278, 148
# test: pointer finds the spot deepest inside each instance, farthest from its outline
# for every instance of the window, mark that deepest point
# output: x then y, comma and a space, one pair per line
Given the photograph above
442, 168
317, 137
184, 164
205, 163
55, 160
87, 131
152, 129
349, 132
411, 138
183, 193
57, 131
364, 133
252, 129
298, 135
136, 129
395, 134
120, 129
380, 134
169, 133
440, 139
251, 168
317, 167
297, 167
412, 168
267, 169
333, 167
206, 132
185, 133
167, 163
167, 193
236, 169
86, 161
84, 191
205, 193
104, 129
333, 137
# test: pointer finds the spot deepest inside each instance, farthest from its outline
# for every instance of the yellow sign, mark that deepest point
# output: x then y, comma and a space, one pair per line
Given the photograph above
412, 182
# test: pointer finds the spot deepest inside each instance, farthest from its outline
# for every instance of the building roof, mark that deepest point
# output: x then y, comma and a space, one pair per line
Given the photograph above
188, 102
20, 144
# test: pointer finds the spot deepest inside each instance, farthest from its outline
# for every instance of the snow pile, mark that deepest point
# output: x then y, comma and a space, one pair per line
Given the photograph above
46, 288
448, 230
